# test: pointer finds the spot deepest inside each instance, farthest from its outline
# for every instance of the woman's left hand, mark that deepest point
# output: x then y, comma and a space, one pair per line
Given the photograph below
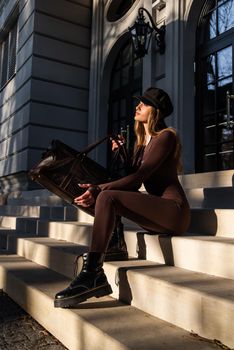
86, 199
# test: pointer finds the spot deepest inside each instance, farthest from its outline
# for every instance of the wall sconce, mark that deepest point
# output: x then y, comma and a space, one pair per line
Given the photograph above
141, 33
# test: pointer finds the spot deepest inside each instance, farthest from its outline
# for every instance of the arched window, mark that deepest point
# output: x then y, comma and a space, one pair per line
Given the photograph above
214, 77
118, 8
126, 81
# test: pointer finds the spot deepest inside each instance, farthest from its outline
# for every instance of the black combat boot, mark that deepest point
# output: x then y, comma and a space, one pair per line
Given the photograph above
117, 248
91, 282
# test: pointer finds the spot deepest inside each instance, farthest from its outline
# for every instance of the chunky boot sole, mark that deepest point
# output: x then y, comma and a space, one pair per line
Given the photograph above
116, 256
79, 298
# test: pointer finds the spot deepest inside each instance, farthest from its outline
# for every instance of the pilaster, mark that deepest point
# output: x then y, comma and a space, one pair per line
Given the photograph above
95, 70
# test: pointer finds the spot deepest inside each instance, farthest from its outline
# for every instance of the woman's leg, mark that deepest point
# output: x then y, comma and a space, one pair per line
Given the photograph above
117, 248
150, 212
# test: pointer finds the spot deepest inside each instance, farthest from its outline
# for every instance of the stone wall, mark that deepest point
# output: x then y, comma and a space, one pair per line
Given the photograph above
48, 96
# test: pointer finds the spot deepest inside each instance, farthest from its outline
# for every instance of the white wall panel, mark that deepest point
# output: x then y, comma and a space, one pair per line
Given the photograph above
25, 32
16, 122
40, 137
60, 72
60, 95
61, 51
48, 97
53, 116
65, 10
14, 144
10, 93
13, 164
14, 103
62, 30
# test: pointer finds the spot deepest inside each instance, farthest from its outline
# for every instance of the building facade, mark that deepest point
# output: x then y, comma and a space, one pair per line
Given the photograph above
68, 71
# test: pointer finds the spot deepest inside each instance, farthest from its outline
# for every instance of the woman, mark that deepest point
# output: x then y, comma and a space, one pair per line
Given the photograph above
163, 209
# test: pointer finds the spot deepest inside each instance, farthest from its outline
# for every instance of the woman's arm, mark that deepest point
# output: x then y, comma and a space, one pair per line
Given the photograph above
120, 153
159, 149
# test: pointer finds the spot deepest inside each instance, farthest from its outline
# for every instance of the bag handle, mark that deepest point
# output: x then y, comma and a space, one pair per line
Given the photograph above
93, 145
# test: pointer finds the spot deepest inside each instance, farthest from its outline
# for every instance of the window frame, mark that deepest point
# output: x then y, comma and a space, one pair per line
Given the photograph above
7, 40
203, 50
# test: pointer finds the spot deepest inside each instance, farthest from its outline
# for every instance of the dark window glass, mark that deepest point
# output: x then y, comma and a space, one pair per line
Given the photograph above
12, 52
212, 25
217, 18
126, 81
8, 55
4, 65
118, 8
215, 46
225, 14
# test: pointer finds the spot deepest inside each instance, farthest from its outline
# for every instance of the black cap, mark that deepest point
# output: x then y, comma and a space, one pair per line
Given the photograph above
158, 99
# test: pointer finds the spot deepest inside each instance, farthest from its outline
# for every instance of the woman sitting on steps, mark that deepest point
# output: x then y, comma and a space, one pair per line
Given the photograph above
164, 208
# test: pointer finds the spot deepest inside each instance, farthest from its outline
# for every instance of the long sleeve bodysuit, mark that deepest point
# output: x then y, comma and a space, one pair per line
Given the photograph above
163, 209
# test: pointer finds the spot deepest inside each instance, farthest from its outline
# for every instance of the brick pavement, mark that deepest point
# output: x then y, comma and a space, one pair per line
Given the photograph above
19, 331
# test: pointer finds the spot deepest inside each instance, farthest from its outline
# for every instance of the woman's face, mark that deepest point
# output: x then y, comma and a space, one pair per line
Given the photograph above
142, 112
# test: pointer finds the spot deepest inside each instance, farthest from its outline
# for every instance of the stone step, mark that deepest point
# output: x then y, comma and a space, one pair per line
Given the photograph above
96, 324
18, 210
216, 198
210, 255
57, 255
206, 254
190, 300
216, 222
35, 197
198, 198
8, 222
222, 178
76, 232
202, 289
70, 212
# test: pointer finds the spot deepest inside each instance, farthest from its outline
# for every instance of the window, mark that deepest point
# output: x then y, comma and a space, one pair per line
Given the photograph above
214, 77
126, 81
8, 56
118, 8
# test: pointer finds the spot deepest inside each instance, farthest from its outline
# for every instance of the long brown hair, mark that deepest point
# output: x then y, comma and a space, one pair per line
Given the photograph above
156, 125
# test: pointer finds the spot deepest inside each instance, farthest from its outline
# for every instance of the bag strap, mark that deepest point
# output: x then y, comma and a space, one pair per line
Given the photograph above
93, 145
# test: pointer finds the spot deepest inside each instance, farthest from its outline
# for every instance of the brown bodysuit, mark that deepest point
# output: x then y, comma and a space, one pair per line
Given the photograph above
164, 208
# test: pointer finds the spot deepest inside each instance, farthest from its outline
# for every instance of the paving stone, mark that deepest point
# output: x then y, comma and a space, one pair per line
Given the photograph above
19, 331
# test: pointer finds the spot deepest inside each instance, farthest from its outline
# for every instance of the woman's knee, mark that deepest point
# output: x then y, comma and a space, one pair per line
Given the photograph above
105, 197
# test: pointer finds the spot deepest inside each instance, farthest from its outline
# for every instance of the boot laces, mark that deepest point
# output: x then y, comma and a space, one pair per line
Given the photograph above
76, 265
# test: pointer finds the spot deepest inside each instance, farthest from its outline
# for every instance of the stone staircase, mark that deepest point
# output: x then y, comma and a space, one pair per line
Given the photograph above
174, 292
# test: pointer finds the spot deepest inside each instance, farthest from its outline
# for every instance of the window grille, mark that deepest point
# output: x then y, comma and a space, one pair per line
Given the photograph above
214, 78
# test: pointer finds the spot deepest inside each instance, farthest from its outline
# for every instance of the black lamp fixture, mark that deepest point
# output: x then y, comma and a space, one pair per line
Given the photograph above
141, 33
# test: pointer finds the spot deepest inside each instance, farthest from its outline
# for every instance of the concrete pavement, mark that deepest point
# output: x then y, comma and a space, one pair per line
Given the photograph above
19, 331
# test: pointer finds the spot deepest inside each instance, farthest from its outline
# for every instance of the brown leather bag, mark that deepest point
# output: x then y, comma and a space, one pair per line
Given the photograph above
62, 169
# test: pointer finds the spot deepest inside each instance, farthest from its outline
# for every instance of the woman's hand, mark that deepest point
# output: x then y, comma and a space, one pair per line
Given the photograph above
86, 199
116, 143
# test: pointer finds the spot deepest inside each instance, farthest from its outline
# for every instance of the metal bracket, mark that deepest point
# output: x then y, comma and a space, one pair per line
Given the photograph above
126, 134
229, 97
